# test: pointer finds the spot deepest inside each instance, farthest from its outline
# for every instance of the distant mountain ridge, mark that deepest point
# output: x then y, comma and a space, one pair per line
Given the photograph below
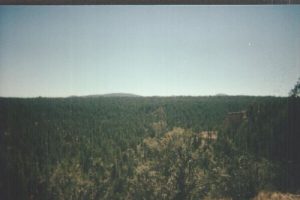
114, 95
221, 95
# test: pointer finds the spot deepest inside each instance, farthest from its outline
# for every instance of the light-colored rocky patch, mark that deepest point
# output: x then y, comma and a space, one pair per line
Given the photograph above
276, 196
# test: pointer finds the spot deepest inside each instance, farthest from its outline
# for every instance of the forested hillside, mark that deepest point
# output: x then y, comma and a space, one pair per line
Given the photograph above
147, 147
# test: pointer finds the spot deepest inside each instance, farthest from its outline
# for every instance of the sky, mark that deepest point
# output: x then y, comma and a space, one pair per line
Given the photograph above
58, 51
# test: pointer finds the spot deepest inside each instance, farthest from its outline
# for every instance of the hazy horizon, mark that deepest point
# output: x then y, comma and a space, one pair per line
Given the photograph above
125, 94
61, 51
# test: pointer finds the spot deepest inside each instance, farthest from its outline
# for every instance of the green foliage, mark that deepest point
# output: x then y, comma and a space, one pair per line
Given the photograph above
167, 167
295, 92
127, 148
272, 132
243, 174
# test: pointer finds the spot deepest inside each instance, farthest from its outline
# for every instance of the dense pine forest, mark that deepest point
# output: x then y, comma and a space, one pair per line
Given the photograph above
212, 147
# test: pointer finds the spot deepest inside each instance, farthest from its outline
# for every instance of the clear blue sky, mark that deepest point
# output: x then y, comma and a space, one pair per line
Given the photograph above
148, 50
